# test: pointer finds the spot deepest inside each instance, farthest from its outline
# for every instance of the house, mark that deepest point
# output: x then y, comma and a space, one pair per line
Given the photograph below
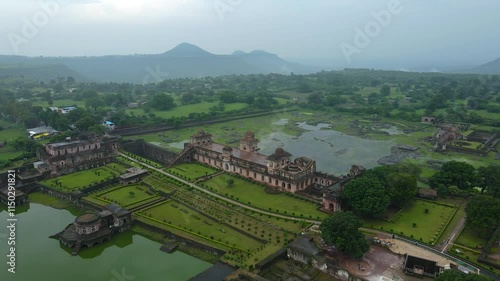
421, 267
41, 132
427, 193
132, 175
109, 125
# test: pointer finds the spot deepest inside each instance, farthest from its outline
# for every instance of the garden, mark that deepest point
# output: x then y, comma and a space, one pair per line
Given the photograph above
82, 179
253, 194
420, 220
128, 195
191, 171
180, 216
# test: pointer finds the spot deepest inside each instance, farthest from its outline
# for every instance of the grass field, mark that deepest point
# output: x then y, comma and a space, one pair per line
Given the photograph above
128, 195
429, 226
471, 238
178, 215
184, 110
82, 179
191, 171
246, 192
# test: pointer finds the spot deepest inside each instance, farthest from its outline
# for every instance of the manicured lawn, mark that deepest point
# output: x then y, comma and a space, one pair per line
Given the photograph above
178, 215
471, 238
428, 225
246, 192
82, 179
184, 110
191, 171
128, 195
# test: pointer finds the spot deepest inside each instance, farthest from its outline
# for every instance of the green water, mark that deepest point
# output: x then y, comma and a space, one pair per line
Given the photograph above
127, 257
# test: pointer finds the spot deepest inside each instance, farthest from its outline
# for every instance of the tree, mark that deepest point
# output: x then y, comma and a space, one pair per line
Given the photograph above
385, 90
131, 193
366, 195
230, 182
162, 102
489, 180
342, 230
401, 187
456, 173
188, 98
452, 275
482, 212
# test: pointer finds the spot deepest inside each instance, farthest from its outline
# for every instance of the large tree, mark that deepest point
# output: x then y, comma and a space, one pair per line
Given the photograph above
162, 102
366, 195
489, 180
483, 212
457, 173
401, 187
342, 231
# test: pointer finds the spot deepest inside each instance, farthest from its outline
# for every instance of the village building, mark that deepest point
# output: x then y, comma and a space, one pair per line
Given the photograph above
18, 196
332, 194
41, 132
73, 155
132, 175
94, 228
421, 267
428, 120
277, 170
445, 134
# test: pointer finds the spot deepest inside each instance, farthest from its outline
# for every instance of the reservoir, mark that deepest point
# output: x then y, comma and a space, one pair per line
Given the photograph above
128, 256
334, 152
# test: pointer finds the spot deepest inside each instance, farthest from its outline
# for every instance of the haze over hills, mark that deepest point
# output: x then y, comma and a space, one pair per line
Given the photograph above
492, 67
185, 60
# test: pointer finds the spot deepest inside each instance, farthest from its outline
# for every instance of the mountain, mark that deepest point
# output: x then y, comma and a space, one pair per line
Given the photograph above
186, 50
185, 60
492, 67
39, 72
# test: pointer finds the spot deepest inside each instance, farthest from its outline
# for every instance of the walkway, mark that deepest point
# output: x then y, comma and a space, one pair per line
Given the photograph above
454, 234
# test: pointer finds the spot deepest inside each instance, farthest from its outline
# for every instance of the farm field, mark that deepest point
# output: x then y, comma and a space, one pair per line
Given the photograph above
191, 171
249, 192
429, 225
184, 110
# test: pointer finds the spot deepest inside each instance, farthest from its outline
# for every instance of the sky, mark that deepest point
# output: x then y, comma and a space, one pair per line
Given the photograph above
400, 33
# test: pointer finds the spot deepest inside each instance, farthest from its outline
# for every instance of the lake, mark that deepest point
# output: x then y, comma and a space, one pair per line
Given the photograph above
127, 256
334, 152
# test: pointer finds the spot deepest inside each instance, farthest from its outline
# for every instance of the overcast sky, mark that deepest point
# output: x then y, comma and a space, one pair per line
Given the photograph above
323, 31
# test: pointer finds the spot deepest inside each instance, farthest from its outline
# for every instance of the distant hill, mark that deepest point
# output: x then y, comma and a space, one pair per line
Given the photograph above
492, 67
39, 72
185, 60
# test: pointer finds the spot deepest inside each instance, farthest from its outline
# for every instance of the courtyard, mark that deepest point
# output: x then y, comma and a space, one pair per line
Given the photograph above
255, 195
82, 179
420, 220
191, 171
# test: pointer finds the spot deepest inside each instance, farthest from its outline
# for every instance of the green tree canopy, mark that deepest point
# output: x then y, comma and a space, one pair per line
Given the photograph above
342, 231
489, 180
401, 187
483, 212
162, 102
366, 195
461, 174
